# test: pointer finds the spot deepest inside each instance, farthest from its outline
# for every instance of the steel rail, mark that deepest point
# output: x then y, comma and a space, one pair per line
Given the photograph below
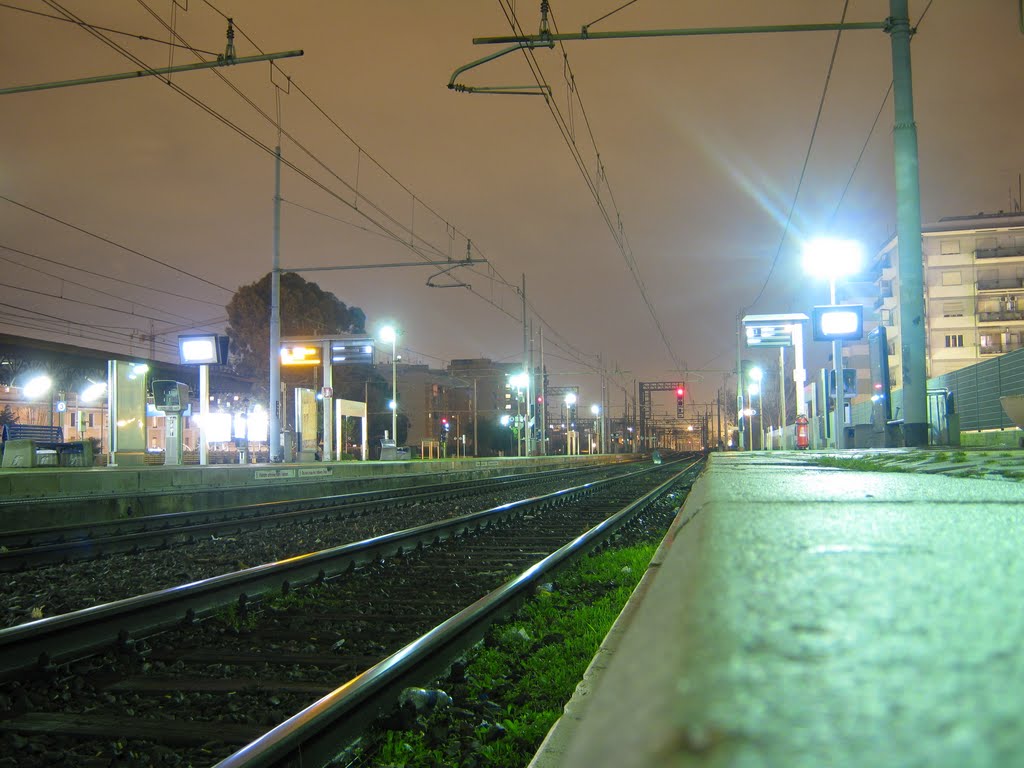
59, 639
319, 732
64, 543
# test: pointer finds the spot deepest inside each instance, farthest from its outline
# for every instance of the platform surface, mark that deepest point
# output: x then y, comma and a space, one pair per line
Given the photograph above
806, 616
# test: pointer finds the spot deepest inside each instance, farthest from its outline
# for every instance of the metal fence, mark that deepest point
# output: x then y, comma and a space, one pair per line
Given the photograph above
976, 391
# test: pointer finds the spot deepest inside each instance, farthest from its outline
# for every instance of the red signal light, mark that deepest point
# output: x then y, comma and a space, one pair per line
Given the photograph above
680, 391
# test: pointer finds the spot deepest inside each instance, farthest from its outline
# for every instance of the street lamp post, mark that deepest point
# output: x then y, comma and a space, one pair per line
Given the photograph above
756, 374
388, 333
833, 259
521, 382
596, 410
570, 401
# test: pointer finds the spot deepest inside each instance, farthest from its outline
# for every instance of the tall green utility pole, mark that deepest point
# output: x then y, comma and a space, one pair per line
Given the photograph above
905, 162
908, 232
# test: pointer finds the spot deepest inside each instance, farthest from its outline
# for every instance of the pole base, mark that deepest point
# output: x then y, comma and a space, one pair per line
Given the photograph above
915, 435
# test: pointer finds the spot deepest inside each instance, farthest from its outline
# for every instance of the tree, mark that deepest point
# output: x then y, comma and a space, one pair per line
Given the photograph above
306, 310
8, 418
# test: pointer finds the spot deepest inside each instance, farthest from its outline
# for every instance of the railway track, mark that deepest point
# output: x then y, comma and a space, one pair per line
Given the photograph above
76, 682
20, 550
53, 589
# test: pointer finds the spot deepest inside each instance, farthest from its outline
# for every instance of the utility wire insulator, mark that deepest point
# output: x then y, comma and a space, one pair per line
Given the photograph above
229, 50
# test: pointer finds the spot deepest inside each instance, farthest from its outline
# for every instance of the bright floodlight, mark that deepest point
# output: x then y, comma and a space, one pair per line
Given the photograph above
392, 405
754, 389
505, 420
595, 409
37, 386
519, 380
570, 398
388, 334
833, 258
94, 391
756, 374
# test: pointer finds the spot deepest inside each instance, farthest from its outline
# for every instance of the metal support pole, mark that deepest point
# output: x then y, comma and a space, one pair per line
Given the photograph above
839, 417
799, 373
394, 388
782, 398
150, 72
908, 232
529, 373
739, 379
328, 452
204, 414
274, 409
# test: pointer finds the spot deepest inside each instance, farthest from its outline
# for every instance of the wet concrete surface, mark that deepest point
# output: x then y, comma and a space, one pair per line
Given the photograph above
808, 616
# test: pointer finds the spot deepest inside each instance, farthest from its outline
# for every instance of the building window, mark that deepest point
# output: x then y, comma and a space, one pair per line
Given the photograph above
955, 340
885, 317
986, 243
949, 247
91, 424
952, 278
952, 309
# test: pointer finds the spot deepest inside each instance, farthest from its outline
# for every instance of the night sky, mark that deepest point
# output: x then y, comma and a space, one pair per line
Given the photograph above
702, 146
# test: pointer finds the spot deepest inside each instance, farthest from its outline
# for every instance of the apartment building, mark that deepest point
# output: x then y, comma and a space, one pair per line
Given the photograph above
974, 289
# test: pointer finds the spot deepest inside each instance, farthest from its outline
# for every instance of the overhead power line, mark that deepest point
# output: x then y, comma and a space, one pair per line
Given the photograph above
113, 243
594, 182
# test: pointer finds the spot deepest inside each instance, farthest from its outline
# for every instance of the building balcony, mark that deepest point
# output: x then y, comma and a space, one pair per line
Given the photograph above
1000, 253
1000, 317
1000, 349
1002, 284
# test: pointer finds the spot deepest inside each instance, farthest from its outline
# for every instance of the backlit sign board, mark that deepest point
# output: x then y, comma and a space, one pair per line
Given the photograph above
769, 335
203, 349
838, 322
300, 354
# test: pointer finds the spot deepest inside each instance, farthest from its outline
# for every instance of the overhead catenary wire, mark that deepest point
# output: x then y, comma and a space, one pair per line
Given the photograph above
143, 38
97, 274
856, 164
383, 225
126, 248
363, 152
807, 159
616, 227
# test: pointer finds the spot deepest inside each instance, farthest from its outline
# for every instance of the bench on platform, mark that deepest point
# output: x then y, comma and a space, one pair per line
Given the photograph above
40, 445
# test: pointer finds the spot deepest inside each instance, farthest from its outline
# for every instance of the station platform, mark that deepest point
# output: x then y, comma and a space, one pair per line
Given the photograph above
798, 615
38, 497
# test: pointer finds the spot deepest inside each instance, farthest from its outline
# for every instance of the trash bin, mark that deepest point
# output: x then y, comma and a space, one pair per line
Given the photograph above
388, 450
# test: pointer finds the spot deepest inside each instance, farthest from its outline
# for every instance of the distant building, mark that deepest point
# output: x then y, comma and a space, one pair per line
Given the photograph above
974, 289
487, 381
431, 399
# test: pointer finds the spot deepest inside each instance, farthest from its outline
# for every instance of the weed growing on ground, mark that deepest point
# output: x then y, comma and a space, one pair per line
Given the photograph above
512, 686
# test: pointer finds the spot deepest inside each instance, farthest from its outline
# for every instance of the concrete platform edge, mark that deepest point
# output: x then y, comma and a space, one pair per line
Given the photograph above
552, 750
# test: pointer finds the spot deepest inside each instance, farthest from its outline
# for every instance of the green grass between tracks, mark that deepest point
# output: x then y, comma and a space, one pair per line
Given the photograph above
517, 681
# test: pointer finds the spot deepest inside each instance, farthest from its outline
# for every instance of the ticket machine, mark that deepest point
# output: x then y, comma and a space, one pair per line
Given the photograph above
171, 397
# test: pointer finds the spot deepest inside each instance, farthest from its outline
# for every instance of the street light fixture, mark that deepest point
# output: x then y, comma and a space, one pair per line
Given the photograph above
832, 259
388, 333
37, 386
